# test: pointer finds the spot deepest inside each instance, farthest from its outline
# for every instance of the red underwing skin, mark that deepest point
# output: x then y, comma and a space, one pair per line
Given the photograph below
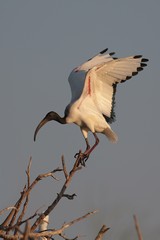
89, 85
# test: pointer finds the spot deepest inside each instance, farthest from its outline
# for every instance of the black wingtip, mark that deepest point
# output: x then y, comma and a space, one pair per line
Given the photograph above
139, 69
134, 73
145, 60
143, 64
112, 53
137, 56
127, 78
103, 51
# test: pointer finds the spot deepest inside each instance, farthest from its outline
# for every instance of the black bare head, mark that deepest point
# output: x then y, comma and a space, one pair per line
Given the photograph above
49, 117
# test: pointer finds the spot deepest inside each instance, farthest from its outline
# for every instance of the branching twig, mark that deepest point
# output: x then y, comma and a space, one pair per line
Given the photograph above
12, 216
139, 234
18, 205
29, 232
48, 233
64, 226
27, 197
59, 195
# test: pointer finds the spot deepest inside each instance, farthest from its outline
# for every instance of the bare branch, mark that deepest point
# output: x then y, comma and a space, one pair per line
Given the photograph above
16, 226
18, 205
7, 209
138, 230
59, 195
60, 230
29, 218
27, 197
26, 231
102, 231
66, 238
12, 216
64, 167
48, 233
79, 219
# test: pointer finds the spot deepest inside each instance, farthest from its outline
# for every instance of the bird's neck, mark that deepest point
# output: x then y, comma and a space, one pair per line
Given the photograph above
61, 120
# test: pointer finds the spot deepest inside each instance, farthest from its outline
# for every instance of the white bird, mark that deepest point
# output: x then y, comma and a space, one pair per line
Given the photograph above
93, 86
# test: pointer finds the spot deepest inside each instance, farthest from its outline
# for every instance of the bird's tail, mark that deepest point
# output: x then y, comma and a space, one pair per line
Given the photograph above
112, 136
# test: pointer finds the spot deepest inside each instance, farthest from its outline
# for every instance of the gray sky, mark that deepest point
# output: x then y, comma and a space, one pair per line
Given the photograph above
40, 43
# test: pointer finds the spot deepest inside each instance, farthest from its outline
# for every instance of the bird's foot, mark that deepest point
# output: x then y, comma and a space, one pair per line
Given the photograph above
82, 157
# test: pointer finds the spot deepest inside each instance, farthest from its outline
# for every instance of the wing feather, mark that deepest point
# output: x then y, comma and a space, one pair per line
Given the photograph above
77, 76
104, 79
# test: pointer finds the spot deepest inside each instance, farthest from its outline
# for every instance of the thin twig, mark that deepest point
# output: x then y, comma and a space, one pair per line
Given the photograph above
66, 238
102, 231
48, 233
7, 209
16, 226
18, 207
25, 205
64, 167
11, 217
60, 230
138, 230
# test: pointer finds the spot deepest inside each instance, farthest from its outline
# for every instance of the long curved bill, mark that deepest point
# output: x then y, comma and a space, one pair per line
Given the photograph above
43, 122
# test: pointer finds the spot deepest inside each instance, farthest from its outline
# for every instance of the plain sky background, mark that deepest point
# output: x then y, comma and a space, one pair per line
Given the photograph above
40, 43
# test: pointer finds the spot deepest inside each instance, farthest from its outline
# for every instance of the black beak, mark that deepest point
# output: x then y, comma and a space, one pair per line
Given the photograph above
43, 122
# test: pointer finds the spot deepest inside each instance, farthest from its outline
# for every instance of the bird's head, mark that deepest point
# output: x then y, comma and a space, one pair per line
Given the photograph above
49, 117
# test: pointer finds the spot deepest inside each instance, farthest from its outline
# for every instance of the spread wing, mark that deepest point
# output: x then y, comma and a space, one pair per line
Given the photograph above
77, 76
101, 81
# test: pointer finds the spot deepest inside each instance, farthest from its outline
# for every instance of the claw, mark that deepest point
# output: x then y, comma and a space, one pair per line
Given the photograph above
78, 154
83, 157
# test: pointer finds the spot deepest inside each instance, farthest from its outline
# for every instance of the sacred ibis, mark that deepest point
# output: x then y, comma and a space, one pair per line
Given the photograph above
93, 86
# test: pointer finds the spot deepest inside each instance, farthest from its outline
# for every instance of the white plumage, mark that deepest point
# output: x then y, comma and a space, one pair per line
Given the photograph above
93, 87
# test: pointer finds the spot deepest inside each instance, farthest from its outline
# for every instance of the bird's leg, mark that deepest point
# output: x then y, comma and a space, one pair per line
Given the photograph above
84, 156
87, 145
89, 150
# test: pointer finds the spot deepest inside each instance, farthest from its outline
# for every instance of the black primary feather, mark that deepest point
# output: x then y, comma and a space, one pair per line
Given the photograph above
112, 118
